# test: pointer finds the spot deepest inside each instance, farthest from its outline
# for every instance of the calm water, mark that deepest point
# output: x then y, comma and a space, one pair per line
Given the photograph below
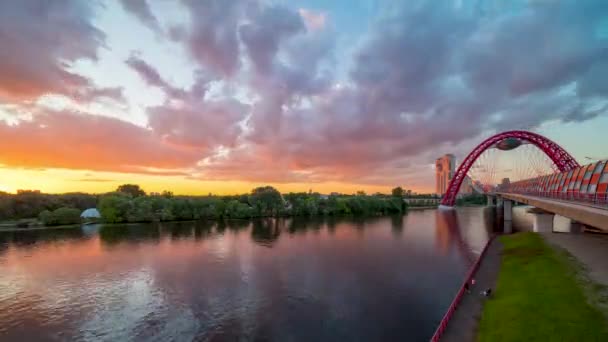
387, 278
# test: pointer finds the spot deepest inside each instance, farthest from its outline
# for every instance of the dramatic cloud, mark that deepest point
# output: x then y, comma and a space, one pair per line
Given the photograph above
80, 141
141, 10
267, 28
204, 125
427, 74
212, 39
152, 77
187, 117
271, 93
39, 40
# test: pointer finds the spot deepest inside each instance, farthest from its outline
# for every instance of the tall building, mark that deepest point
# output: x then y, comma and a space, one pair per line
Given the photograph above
444, 171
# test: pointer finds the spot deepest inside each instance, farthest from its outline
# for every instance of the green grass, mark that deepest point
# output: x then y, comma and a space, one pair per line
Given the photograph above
539, 297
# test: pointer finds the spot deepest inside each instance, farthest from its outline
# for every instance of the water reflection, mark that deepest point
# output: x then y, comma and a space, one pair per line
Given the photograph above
294, 279
31, 237
266, 231
397, 224
115, 234
204, 229
446, 230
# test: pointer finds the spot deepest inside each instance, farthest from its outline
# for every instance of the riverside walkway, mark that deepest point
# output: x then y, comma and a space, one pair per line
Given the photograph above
463, 325
590, 252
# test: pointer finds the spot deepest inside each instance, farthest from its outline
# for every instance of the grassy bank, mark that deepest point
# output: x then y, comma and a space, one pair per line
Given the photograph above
538, 297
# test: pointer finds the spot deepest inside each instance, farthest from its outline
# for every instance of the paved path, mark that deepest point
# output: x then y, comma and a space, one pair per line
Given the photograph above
590, 249
463, 325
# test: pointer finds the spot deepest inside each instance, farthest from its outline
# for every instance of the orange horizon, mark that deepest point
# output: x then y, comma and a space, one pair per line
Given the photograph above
58, 181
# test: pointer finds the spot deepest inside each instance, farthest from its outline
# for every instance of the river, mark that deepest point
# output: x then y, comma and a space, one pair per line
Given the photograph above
387, 278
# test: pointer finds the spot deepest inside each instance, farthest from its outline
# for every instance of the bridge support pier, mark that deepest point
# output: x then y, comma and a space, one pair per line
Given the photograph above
490, 199
507, 206
565, 225
508, 210
543, 222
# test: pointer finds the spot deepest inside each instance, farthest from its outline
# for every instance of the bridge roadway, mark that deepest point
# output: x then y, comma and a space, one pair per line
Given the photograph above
586, 214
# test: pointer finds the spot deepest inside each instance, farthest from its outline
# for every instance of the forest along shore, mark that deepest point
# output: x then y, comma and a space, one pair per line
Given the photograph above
131, 204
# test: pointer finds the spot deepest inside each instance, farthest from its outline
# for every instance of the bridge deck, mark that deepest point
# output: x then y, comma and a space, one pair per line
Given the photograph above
590, 215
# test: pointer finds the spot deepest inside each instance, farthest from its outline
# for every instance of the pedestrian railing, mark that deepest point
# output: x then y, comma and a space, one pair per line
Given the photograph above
458, 298
600, 198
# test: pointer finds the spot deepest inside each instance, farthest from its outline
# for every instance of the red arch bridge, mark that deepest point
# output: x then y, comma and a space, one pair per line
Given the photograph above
579, 193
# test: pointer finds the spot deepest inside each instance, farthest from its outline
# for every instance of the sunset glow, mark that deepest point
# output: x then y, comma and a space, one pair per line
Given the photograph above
203, 97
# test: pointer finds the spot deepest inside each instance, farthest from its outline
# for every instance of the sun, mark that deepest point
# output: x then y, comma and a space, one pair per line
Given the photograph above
5, 188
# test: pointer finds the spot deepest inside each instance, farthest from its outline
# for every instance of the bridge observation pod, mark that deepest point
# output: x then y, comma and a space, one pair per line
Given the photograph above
505, 141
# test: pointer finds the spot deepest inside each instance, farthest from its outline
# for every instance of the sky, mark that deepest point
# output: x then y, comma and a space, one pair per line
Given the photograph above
216, 96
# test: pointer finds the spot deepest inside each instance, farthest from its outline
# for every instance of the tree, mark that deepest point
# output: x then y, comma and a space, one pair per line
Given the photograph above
60, 216
398, 192
29, 203
6, 206
238, 210
131, 189
141, 210
266, 200
67, 215
181, 209
76, 200
47, 218
115, 208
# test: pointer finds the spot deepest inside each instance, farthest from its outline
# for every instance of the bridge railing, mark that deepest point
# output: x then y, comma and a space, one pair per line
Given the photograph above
600, 198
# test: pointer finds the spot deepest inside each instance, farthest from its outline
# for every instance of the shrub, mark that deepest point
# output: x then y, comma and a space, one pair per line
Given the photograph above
60, 216
115, 207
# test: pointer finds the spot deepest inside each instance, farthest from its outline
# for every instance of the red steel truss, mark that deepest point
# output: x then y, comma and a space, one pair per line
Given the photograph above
562, 159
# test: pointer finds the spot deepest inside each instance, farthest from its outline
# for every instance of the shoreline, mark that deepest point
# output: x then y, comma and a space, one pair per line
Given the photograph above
10, 229
422, 208
28, 229
465, 305
464, 323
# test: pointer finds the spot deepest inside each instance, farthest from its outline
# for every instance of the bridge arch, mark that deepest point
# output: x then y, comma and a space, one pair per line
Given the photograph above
562, 159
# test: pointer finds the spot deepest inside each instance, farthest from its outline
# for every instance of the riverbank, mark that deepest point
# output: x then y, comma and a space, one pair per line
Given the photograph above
539, 297
421, 208
13, 228
9, 229
463, 325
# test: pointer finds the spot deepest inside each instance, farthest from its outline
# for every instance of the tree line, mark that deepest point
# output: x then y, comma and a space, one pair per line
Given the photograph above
29, 204
264, 201
129, 203
472, 200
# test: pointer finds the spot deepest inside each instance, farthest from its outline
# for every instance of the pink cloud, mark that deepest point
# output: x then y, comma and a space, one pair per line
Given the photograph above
187, 118
422, 80
39, 40
212, 39
313, 20
80, 141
